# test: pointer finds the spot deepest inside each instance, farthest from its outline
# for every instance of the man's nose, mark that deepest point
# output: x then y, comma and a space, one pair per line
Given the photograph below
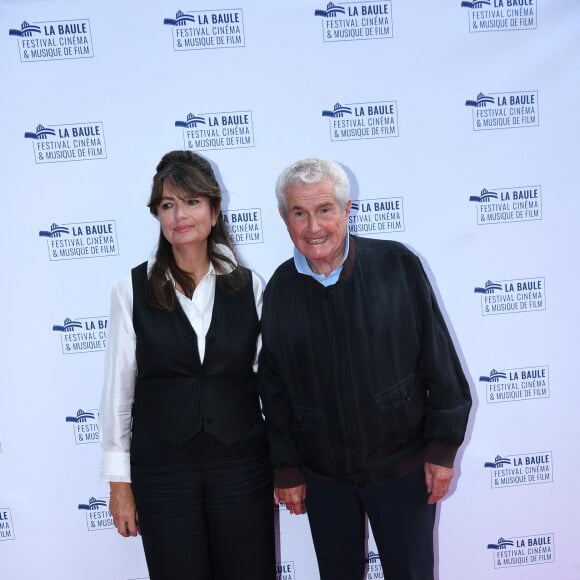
312, 223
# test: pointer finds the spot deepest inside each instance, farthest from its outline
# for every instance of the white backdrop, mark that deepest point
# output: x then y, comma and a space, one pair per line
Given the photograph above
458, 124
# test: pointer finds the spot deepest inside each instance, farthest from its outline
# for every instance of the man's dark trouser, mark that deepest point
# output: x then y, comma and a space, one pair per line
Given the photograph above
401, 520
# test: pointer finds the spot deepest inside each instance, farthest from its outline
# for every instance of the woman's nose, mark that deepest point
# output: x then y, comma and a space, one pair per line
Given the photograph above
180, 210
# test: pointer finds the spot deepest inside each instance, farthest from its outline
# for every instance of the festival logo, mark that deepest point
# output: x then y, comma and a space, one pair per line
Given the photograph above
374, 567
285, 571
511, 296
85, 426
207, 131
496, 15
205, 29
98, 515
6, 526
74, 142
523, 469
505, 110
244, 225
82, 334
376, 216
354, 121
54, 40
521, 384
508, 204
81, 240
356, 21
523, 551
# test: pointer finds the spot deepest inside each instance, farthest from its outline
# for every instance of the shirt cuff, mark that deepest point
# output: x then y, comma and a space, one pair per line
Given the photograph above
115, 466
440, 453
287, 476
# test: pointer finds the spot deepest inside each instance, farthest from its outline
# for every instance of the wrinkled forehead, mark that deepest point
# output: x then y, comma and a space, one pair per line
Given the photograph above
319, 193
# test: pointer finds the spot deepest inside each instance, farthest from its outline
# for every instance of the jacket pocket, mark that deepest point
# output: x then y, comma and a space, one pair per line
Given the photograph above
399, 394
399, 420
313, 439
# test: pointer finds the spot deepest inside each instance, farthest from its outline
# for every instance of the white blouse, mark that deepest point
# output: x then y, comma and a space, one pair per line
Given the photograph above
121, 364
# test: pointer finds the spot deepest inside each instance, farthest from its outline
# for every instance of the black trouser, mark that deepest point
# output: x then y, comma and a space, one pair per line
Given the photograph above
208, 521
401, 521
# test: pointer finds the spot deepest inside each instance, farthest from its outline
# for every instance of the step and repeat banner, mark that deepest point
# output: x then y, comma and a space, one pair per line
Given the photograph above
457, 123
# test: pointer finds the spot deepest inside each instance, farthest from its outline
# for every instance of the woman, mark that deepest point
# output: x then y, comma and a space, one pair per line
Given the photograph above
184, 447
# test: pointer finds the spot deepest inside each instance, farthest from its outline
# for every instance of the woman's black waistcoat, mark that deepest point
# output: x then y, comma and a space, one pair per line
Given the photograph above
177, 396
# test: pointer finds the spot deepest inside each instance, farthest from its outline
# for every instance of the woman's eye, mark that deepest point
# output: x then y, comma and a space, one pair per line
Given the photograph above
166, 206
193, 201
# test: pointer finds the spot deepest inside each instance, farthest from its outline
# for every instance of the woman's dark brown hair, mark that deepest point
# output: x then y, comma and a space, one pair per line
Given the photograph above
192, 175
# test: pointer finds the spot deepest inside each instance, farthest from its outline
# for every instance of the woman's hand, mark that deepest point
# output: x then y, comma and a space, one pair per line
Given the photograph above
122, 508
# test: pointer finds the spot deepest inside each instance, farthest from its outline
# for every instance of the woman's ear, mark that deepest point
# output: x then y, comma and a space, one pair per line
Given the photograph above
215, 214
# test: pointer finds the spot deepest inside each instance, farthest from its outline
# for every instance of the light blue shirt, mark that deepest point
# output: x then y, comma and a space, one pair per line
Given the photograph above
303, 267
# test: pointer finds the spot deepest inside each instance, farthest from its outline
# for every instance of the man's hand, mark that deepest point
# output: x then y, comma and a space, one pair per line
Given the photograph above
122, 508
292, 497
437, 480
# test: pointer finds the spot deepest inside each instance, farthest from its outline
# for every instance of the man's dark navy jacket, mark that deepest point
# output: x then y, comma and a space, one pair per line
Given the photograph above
360, 381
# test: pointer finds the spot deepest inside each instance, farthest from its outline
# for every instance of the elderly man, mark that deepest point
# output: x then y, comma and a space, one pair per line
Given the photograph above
364, 395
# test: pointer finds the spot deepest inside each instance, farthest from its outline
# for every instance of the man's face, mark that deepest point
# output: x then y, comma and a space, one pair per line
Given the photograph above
317, 224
